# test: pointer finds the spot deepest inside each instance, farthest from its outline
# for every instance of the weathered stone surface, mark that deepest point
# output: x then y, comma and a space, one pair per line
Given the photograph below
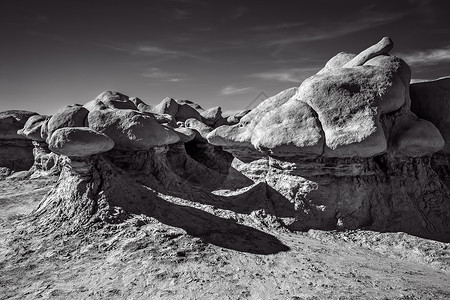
430, 100
240, 135
381, 48
417, 138
130, 129
186, 111
79, 142
69, 116
167, 106
11, 121
349, 103
210, 116
337, 61
185, 134
32, 128
44, 128
201, 129
288, 130
110, 99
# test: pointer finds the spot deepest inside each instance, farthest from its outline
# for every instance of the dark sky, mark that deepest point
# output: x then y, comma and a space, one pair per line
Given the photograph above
54, 53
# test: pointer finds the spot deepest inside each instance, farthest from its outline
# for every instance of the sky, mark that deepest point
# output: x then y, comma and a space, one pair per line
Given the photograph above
231, 54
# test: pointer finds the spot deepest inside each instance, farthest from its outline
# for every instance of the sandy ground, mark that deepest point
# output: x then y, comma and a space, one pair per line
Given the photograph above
152, 260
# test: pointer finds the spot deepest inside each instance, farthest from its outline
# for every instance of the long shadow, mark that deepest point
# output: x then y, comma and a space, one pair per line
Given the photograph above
211, 229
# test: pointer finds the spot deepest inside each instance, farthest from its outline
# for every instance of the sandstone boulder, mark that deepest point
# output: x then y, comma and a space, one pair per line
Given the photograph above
32, 128
210, 116
288, 130
69, 116
167, 106
185, 134
110, 99
417, 138
130, 129
240, 135
201, 129
430, 100
79, 142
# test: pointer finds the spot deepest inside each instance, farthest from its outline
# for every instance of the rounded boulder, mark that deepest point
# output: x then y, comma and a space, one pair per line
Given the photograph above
79, 142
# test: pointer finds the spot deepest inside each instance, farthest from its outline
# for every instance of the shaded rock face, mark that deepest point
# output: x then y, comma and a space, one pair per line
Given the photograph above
16, 151
430, 100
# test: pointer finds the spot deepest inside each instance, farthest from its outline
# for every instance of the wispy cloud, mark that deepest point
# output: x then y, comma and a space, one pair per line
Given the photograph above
277, 26
159, 52
157, 73
239, 12
429, 57
296, 75
338, 29
232, 90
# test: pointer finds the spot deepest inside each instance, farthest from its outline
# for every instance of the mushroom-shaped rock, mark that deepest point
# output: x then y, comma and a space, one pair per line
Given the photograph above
69, 116
430, 100
185, 134
110, 99
130, 129
32, 128
11, 121
79, 142
417, 138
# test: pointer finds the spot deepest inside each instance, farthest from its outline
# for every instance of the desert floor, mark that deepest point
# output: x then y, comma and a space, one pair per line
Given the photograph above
152, 260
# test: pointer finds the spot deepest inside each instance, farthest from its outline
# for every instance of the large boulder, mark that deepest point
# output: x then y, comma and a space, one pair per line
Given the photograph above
288, 130
32, 128
69, 116
430, 100
417, 138
130, 129
240, 135
79, 142
110, 99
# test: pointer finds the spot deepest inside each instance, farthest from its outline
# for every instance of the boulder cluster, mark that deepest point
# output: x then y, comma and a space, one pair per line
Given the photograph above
356, 145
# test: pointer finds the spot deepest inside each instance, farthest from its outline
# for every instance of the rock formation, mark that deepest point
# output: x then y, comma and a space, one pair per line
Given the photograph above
16, 151
346, 149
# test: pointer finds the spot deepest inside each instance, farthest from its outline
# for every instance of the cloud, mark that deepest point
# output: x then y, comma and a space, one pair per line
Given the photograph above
159, 52
232, 90
333, 30
296, 75
423, 58
157, 73
239, 12
278, 26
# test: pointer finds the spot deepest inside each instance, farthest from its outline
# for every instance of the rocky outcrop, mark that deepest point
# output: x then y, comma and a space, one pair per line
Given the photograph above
342, 151
16, 151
